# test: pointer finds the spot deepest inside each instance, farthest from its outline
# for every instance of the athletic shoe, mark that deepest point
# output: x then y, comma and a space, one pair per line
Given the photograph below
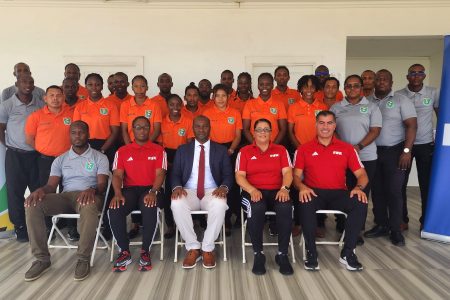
349, 259
21, 234
259, 263
145, 263
122, 261
311, 263
282, 260
73, 234
36, 270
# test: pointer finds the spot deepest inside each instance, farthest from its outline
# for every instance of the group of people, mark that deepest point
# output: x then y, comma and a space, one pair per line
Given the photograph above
179, 155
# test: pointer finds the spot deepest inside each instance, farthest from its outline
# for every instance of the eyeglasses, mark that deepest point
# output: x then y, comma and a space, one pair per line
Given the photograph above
321, 73
352, 86
141, 127
417, 74
261, 130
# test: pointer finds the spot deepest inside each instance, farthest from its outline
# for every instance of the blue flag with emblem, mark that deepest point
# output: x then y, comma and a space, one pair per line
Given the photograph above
437, 220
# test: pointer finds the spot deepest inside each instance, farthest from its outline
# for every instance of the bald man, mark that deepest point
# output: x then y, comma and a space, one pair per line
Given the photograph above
21, 68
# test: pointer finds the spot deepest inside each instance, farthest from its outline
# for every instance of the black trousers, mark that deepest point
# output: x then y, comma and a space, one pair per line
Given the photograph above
21, 170
134, 200
333, 199
424, 155
256, 219
387, 187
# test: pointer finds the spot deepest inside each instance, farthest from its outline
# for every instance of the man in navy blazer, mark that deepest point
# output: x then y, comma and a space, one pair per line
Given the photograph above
201, 177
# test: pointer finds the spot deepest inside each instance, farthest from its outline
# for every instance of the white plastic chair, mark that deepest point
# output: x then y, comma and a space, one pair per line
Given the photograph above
161, 234
249, 244
341, 240
68, 245
221, 240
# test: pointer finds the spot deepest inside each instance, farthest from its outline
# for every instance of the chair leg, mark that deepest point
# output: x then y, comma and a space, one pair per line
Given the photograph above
224, 243
292, 250
302, 242
51, 233
112, 249
175, 259
243, 228
161, 233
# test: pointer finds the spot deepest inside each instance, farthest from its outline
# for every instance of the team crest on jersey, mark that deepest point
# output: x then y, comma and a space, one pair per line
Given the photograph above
67, 121
363, 109
291, 101
230, 120
104, 111
426, 101
89, 166
148, 114
181, 132
273, 110
390, 104
82, 97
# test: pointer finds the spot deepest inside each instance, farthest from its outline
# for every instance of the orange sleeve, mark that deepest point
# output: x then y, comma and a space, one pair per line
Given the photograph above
114, 119
291, 113
31, 124
157, 116
76, 113
238, 120
190, 131
124, 112
282, 109
246, 110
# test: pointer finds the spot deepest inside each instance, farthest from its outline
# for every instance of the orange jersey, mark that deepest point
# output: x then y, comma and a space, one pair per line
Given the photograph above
319, 96
161, 101
237, 103
289, 97
99, 115
208, 104
117, 101
130, 110
223, 123
192, 115
303, 116
72, 108
50, 131
82, 92
174, 134
259, 109
232, 94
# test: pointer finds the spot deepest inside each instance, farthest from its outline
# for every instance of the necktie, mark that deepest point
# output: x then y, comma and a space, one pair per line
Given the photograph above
201, 174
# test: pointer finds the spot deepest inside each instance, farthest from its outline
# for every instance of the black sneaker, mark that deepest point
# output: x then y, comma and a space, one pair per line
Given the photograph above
311, 263
377, 231
259, 263
21, 234
349, 259
73, 234
397, 238
122, 261
145, 263
285, 266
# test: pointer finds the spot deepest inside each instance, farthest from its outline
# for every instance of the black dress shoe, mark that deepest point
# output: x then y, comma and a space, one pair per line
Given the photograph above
377, 231
397, 238
360, 241
259, 264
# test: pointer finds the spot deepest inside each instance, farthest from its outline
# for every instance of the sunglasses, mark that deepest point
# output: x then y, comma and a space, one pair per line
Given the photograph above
417, 74
261, 130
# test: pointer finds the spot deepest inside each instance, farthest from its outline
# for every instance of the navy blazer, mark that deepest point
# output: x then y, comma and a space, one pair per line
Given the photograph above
219, 163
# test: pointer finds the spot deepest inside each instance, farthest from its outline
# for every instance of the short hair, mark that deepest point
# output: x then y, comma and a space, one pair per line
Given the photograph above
80, 124
332, 78
325, 113
221, 86
370, 71
385, 71
249, 78
280, 68
93, 75
415, 65
227, 71
265, 74
111, 75
354, 76
122, 74
164, 75
141, 77
202, 117
72, 65
53, 87
191, 86
262, 120
174, 96
209, 82
303, 81
322, 67
140, 118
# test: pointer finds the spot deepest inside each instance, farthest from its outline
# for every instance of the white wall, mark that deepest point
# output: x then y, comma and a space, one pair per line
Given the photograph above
192, 44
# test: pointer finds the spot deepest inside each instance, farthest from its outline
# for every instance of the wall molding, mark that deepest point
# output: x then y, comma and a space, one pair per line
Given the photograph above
154, 5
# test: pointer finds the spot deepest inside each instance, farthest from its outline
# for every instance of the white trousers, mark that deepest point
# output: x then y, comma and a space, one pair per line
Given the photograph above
216, 207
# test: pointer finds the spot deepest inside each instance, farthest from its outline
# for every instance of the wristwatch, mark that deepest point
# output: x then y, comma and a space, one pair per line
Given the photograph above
153, 191
284, 187
360, 146
406, 150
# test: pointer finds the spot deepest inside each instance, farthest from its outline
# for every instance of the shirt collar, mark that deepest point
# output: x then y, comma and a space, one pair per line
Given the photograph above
207, 145
363, 100
391, 94
259, 150
17, 102
133, 100
147, 145
411, 93
87, 153
333, 141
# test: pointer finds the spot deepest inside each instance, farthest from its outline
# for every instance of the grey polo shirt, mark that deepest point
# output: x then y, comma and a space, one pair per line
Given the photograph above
10, 91
79, 172
424, 101
14, 113
354, 122
394, 108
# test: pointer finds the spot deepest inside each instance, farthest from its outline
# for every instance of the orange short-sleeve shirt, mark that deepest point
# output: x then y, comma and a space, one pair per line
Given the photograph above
223, 123
303, 116
289, 97
237, 103
174, 134
208, 104
161, 101
319, 96
129, 110
192, 115
82, 92
259, 109
99, 115
117, 101
50, 131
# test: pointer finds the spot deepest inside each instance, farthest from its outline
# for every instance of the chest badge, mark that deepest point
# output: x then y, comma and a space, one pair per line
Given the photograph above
426, 101
291, 101
89, 166
104, 111
148, 114
273, 110
390, 104
181, 132
67, 121
363, 109
230, 120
